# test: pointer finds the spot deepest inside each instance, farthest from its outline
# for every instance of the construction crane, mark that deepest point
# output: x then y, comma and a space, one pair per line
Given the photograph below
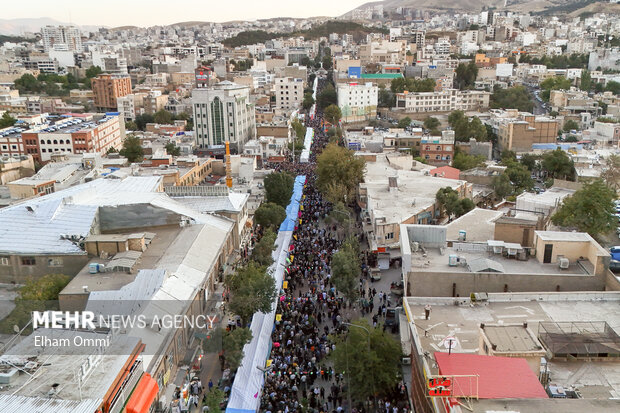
228, 166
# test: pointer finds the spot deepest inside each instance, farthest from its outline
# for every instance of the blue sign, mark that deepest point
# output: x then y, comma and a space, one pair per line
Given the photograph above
355, 72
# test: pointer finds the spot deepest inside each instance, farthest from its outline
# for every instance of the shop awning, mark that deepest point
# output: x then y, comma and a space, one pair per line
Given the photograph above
143, 395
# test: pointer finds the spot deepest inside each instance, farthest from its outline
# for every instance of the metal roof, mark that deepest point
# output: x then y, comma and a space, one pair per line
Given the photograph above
40, 405
485, 265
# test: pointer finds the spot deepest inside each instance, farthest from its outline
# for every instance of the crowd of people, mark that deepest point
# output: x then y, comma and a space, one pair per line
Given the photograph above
301, 375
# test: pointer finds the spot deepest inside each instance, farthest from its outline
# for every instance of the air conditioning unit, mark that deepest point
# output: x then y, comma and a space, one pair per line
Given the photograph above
563, 262
406, 361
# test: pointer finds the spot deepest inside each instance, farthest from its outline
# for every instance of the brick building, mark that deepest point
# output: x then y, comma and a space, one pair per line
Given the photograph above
108, 88
438, 150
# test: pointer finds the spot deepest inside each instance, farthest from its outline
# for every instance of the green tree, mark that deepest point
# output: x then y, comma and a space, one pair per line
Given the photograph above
512, 98
28, 83
361, 350
590, 209
339, 173
553, 83
263, 248
172, 149
558, 165
279, 188
308, 101
269, 215
132, 149
332, 114
613, 86
409, 84
232, 344
466, 75
502, 186
586, 80
520, 177
299, 128
163, 117
529, 161
451, 203
386, 99
252, 290
570, 125
463, 161
346, 269
131, 125
611, 172
142, 120
465, 129
213, 400
7, 120
328, 96
404, 122
93, 71
432, 123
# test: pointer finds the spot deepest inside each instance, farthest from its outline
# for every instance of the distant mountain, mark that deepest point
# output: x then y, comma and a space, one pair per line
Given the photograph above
478, 5
18, 27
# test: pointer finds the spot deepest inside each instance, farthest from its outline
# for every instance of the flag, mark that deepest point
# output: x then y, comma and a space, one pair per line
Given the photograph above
256, 395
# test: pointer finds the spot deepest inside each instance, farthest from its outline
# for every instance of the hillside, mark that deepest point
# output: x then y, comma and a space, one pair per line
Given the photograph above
557, 6
322, 30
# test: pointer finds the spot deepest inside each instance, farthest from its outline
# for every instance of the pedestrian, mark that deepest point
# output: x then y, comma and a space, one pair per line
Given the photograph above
210, 384
427, 311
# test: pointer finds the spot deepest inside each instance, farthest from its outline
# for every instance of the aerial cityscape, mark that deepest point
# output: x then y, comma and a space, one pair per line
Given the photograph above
394, 206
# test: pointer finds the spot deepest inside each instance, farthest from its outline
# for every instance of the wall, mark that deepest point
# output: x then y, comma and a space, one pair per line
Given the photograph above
439, 284
597, 256
513, 232
135, 216
17, 273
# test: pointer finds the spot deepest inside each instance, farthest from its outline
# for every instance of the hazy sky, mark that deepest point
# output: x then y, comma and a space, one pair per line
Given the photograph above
156, 12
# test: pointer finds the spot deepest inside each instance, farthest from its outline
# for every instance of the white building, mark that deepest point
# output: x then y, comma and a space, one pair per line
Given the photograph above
223, 113
61, 35
443, 101
357, 101
127, 107
289, 93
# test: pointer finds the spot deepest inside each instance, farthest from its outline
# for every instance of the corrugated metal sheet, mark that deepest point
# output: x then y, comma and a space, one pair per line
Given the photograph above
39, 405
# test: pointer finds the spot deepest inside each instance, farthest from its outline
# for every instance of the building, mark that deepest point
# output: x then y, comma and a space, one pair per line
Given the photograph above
509, 351
357, 101
154, 102
446, 100
126, 106
108, 88
61, 37
289, 93
438, 150
223, 113
383, 51
78, 134
519, 132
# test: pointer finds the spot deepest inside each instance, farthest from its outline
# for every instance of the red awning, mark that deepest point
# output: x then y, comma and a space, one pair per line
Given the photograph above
143, 395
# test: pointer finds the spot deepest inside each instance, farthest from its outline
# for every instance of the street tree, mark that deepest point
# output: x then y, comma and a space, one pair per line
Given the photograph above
466, 75
346, 269
252, 290
365, 349
269, 215
590, 209
570, 125
431, 123
559, 165
512, 98
308, 101
529, 161
279, 188
463, 161
214, 399
7, 120
338, 167
299, 128
326, 97
332, 114
172, 149
132, 149
232, 344
451, 203
586, 80
263, 248
502, 186
611, 172
404, 122
465, 128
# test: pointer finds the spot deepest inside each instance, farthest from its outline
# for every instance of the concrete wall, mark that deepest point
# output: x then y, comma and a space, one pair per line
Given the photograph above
17, 273
135, 216
597, 256
513, 232
440, 284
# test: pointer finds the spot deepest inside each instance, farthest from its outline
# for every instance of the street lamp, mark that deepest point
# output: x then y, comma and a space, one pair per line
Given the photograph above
349, 372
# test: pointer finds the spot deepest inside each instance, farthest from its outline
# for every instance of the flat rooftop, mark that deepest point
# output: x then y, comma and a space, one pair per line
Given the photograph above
460, 318
478, 223
436, 260
511, 338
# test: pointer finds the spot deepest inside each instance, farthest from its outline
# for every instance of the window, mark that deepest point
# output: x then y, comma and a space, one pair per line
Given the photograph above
4, 260
28, 261
54, 262
389, 235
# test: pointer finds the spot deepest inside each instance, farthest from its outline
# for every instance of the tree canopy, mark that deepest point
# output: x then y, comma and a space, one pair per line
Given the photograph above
410, 84
404, 122
346, 269
232, 344
7, 120
590, 209
463, 161
269, 215
172, 149
363, 350
163, 117
279, 188
465, 129
451, 203
611, 171
466, 75
252, 290
512, 98
132, 149
559, 165
308, 101
263, 248
332, 114
431, 123
553, 83
339, 173
326, 97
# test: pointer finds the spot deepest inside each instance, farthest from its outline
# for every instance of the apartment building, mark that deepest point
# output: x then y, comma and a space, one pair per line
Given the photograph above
108, 88
223, 113
357, 101
517, 131
383, 51
445, 100
154, 102
126, 106
59, 37
78, 134
438, 150
289, 93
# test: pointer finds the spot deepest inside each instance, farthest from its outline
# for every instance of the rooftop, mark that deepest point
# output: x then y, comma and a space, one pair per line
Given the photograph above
511, 338
478, 223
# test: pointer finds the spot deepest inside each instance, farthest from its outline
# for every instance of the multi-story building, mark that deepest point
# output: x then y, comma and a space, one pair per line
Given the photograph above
445, 100
289, 93
517, 131
79, 134
61, 35
126, 107
383, 52
357, 101
154, 102
108, 88
223, 113
438, 150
